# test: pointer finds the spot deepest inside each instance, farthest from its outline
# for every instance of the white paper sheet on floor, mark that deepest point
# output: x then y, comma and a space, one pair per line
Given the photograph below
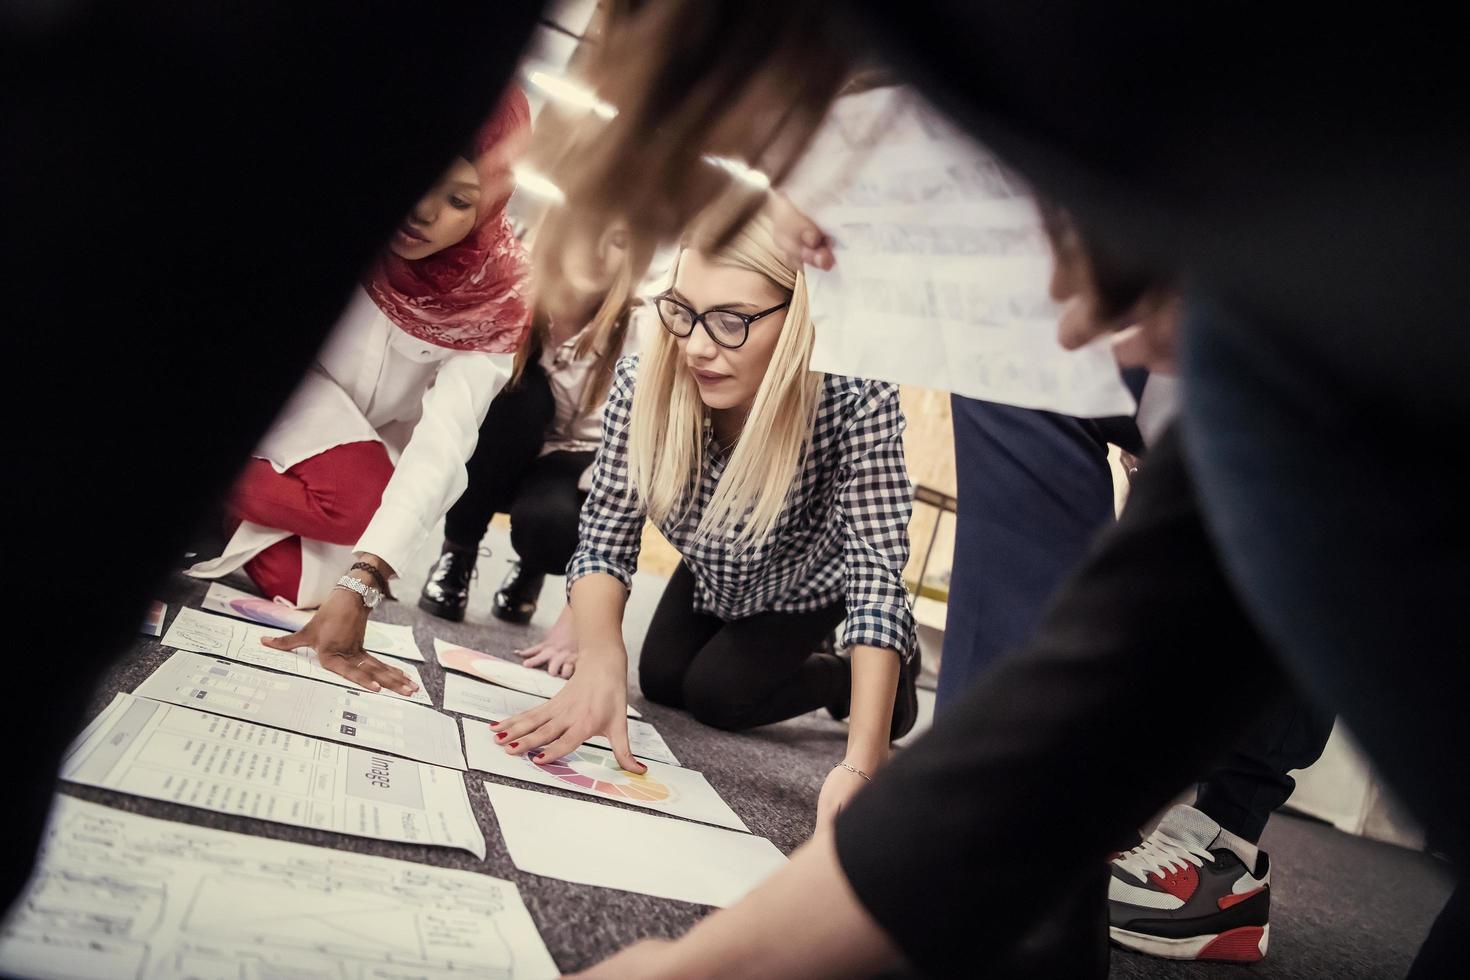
389, 638
165, 752
942, 265
476, 663
495, 703
301, 705
594, 772
221, 636
636, 852
119, 895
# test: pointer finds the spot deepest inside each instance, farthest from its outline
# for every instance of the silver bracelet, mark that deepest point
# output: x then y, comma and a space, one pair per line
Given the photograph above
843, 765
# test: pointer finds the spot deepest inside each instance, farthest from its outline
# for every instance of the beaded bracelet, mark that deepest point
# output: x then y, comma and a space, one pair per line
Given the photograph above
373, 571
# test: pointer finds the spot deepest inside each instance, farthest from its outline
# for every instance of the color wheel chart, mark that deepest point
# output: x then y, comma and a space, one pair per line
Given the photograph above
603, 775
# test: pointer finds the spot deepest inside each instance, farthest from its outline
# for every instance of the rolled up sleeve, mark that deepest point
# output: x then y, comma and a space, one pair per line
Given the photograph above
874, 504
610, 530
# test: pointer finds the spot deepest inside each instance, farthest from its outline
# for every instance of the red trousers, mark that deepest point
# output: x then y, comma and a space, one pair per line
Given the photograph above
330, 497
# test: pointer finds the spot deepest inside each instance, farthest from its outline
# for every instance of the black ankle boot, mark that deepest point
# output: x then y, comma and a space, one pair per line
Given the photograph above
516, 600
447, 591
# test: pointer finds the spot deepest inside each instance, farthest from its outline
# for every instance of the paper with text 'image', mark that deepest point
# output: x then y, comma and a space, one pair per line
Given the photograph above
165, 752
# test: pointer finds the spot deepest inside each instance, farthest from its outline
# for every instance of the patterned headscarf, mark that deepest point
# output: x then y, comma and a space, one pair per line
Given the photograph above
471, 296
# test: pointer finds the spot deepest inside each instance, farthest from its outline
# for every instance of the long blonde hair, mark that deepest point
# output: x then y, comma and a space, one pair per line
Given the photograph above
604, 336
666, 433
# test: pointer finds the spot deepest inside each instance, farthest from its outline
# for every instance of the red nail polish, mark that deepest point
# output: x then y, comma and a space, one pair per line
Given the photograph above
500, 735
515, 745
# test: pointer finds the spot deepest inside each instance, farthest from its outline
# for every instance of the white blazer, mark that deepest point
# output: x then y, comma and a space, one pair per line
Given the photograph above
376, 382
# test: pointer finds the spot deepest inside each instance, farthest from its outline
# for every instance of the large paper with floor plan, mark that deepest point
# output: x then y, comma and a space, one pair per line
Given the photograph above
119, 895
942, 266
165, 752
495, 703
497, 671
306, 706
389, 638
594, 772
690, 862
220, 636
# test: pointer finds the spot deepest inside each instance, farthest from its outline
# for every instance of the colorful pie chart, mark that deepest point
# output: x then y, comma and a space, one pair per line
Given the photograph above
602, 774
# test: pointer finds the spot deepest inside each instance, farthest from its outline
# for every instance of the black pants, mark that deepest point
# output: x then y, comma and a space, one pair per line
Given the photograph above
1035, 489
742, 673
509, 476
1056, 754
1252, 781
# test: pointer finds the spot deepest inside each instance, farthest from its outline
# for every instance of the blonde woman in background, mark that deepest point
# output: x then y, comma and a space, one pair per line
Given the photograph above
786, 493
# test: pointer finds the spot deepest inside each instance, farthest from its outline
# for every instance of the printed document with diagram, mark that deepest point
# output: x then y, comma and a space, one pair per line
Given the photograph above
591, 771
219, 636
165, 752
301, 705
119, 895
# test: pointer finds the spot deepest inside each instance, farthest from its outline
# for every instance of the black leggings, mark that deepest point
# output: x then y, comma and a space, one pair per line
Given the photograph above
507, 475
741, 673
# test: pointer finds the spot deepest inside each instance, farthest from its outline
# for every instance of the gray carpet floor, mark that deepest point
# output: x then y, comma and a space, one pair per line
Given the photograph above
1343, 907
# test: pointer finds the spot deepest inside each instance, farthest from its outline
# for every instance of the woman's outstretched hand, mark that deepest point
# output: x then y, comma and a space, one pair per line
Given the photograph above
558, 650
594, 702
336, 633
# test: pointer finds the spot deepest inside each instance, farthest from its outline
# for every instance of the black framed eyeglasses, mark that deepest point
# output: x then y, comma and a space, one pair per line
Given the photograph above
725, 327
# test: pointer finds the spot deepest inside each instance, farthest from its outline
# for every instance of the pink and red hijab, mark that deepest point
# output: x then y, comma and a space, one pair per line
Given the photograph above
472, 296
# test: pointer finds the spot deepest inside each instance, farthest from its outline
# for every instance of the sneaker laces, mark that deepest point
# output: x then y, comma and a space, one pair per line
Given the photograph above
1161, 854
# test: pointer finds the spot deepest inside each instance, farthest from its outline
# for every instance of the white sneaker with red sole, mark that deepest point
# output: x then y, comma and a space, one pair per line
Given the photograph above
1192, 891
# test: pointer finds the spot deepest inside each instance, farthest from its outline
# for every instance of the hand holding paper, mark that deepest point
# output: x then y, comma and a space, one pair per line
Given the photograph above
941, 268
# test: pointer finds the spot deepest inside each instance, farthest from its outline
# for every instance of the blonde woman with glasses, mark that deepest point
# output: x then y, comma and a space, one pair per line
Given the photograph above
786, 493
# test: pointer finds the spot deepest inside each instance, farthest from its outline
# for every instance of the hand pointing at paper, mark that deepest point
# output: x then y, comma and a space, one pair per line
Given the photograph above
595, 699
594, 702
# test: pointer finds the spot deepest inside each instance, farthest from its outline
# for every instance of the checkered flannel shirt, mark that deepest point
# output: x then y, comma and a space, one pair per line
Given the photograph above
843, 535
